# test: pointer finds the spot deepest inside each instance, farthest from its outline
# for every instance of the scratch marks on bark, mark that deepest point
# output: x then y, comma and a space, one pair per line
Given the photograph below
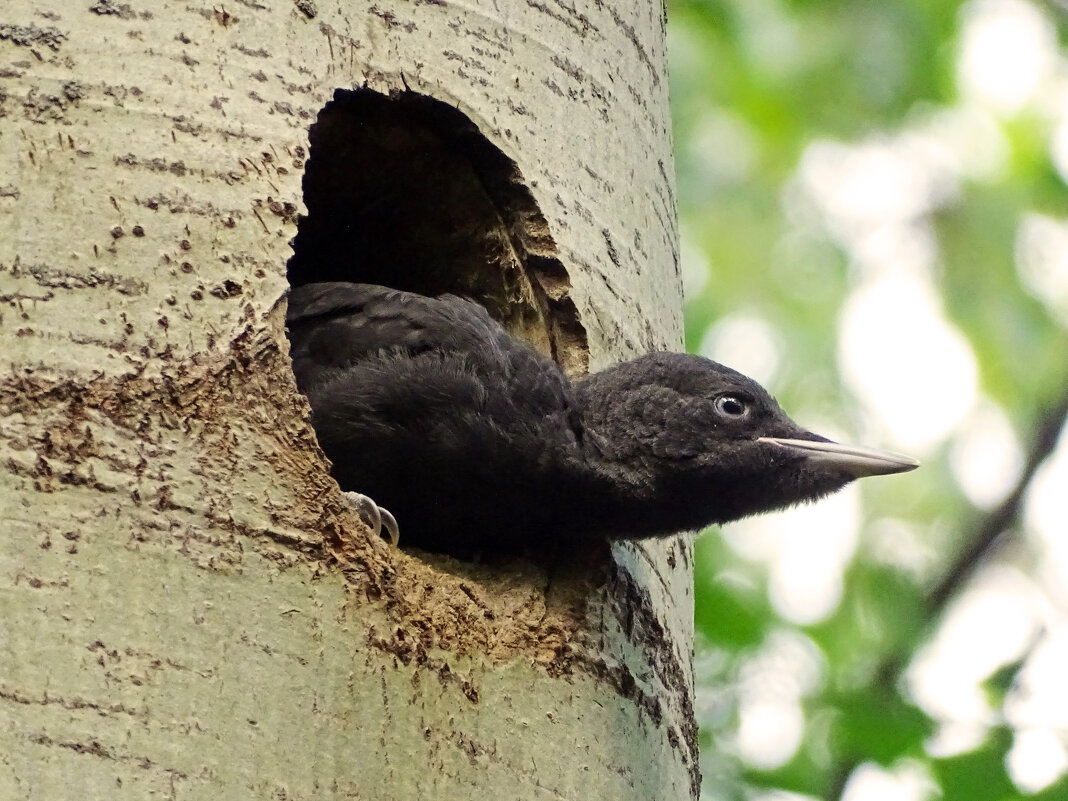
566, 14
71, 704
56, 277
631, 605
32, 36
500, 612
391, 21
169, 464
109, 8
631, 35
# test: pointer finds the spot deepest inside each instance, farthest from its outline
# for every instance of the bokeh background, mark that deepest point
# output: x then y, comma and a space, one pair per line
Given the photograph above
875, 226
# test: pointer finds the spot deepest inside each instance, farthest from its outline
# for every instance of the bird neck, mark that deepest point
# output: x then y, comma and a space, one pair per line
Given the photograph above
607, 486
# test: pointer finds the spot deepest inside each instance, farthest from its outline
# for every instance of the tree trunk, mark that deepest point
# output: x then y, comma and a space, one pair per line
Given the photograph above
188, 608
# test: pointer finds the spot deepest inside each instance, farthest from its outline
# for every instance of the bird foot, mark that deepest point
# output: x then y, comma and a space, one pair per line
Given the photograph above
375, 516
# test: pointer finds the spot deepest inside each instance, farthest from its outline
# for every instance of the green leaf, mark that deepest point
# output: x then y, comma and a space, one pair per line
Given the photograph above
726, 612
997, 684
802, 775
880, 614
978, 775
878, 726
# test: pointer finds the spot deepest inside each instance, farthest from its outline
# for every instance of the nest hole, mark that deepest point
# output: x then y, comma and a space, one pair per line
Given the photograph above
405, 191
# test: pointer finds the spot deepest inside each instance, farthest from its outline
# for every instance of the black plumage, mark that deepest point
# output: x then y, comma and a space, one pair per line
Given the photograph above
476, 441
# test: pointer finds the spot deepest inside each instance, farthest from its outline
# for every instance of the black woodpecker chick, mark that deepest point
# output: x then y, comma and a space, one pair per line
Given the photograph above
476, 442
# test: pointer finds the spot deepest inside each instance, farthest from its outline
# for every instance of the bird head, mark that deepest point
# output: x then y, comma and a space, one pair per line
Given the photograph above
685, 428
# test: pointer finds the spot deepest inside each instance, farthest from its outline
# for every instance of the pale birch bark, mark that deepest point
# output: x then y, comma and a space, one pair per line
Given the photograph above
187, 610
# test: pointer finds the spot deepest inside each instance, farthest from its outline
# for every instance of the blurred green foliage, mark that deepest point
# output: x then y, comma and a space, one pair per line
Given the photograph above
755, 83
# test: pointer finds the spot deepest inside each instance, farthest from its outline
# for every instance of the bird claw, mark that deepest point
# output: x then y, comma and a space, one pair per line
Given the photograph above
389, 522
375, 516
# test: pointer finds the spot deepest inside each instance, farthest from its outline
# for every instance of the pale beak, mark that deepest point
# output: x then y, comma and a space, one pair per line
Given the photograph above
852, 459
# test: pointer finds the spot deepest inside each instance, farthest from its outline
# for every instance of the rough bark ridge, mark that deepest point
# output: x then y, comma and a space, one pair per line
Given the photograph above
188, 609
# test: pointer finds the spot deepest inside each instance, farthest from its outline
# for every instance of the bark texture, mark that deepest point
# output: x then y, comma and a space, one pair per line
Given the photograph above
187, 609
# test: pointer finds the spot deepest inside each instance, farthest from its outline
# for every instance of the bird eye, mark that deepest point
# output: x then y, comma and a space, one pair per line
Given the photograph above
731, 406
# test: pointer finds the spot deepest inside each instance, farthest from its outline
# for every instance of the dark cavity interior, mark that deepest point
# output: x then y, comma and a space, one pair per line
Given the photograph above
404, 190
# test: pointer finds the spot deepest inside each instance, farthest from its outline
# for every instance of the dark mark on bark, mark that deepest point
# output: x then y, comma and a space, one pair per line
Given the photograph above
577, 22
613, 254
109, 8
31, 35
307, 8
227, 289
248, 51
391, 21
62, 278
